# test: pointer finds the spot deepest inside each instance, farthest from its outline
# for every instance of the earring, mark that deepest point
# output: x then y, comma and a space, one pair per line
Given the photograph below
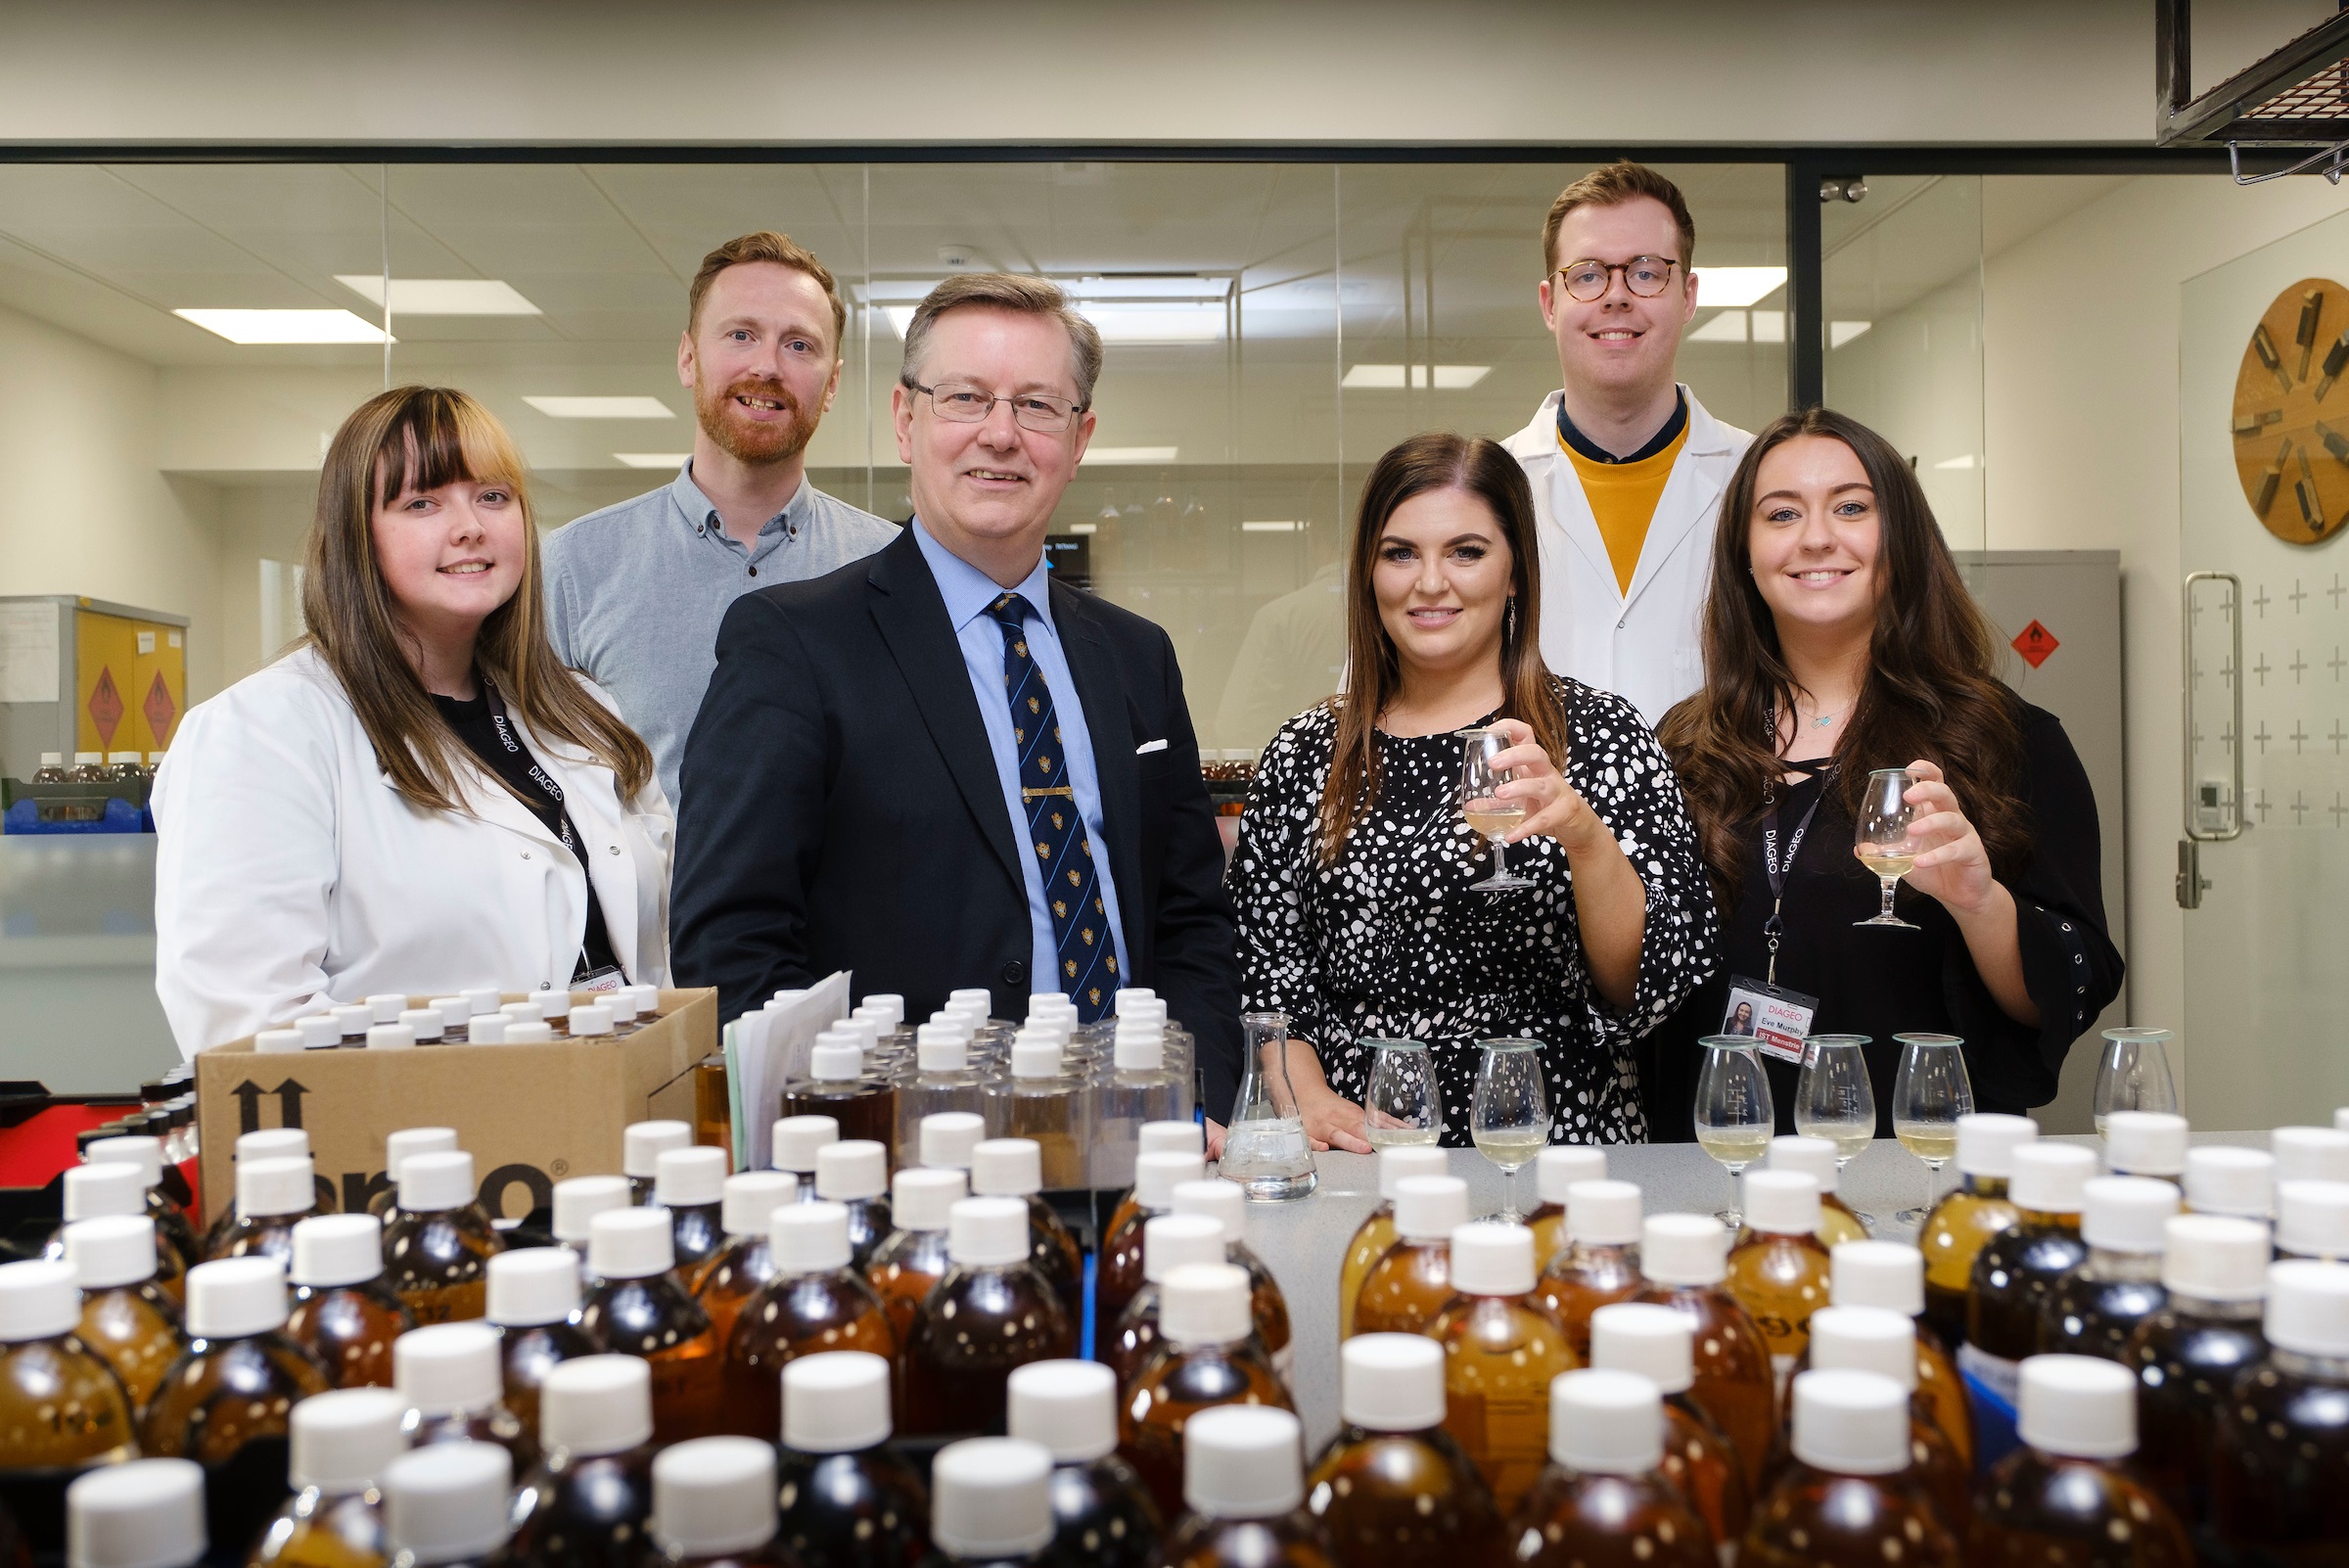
1508, 619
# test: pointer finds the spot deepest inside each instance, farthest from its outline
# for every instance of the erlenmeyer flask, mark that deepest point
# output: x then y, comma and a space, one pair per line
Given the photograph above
1265, 1146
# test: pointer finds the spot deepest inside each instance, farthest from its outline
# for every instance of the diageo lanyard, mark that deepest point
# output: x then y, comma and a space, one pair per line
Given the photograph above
539, 776
1773, 928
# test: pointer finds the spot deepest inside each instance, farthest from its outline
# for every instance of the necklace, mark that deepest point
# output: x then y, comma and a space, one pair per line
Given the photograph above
1823, 720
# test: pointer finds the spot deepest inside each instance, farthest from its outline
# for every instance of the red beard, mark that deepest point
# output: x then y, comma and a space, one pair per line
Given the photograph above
747, 440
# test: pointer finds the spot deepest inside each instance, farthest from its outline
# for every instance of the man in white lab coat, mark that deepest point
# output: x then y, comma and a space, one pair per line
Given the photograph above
1627, 467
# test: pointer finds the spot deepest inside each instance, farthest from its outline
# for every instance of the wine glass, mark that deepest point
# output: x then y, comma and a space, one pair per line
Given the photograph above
2134, 1074
1882, 840
1489, 816
1929, 1093
1834, 1099
1734, 1118
1509, 1120
1402, 1103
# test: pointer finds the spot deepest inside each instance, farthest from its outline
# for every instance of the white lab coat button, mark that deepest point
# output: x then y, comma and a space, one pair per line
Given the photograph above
525, 854
615, 849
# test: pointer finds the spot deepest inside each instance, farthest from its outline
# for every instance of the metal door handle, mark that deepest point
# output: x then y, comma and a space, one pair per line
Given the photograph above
2210, 820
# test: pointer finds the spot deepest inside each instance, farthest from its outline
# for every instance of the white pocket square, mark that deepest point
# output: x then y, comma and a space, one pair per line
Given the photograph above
1148, 747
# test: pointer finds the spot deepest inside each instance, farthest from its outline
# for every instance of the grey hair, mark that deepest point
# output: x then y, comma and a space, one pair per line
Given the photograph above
1006, 291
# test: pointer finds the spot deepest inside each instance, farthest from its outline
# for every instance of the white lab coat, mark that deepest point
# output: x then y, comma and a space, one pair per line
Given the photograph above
1645, 645
290, 875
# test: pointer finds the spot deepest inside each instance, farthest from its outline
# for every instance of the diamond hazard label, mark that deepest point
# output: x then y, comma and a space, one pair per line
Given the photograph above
106, 706
2035, 643
159, 710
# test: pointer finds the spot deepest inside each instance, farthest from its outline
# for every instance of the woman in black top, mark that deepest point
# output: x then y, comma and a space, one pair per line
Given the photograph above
1352, 880
1840, 639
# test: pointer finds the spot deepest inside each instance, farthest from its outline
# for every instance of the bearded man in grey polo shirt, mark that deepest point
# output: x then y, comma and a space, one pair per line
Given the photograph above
635, 592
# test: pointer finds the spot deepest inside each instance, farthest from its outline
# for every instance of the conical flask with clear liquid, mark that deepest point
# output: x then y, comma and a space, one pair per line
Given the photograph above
1265, 1146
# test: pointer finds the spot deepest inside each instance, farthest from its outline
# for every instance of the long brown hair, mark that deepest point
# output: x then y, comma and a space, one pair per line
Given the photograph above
423, 437
1438, 461
1931, 688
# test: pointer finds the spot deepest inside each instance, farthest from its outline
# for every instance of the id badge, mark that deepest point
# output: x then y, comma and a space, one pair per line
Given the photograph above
606, 979
1775, 1019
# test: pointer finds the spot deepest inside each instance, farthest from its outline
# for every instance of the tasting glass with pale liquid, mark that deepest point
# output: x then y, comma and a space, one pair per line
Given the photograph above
1487, 813
1834, 1099
1733, 1115
1881, 840
1509, 1120
1929, 1093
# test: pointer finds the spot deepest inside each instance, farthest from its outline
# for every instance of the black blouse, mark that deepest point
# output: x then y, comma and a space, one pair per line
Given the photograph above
1880, 981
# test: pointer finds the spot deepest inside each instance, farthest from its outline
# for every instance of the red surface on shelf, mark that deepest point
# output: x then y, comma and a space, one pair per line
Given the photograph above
35, 1150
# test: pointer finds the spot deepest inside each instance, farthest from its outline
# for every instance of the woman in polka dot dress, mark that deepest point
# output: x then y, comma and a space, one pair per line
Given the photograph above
1352, 878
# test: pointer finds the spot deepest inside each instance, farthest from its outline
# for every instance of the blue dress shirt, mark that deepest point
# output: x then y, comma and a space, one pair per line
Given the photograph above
968, 591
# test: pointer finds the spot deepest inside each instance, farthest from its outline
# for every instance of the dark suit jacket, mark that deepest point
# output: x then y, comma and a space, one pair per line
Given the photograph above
841, 810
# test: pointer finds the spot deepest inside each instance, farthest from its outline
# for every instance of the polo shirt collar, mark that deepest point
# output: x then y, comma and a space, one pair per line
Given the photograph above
700, 512
968, 591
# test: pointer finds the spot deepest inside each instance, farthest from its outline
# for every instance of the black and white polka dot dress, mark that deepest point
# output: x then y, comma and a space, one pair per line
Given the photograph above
1390, 941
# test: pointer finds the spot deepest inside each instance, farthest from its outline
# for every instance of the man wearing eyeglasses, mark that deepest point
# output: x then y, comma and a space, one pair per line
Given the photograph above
1627, 467
937, 767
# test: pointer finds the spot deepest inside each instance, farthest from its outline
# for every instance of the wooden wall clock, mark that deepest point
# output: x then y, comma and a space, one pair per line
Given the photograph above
2290, 422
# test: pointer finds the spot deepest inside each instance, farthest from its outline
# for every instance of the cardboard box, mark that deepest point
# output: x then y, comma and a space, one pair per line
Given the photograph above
528, 1115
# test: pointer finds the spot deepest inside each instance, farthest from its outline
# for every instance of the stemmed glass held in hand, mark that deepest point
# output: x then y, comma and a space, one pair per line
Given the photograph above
1486, 813
1832, 1096
2134, 1074
1401, 1104
1882, 840
1734, 1118
1929, 1093
1509, 1118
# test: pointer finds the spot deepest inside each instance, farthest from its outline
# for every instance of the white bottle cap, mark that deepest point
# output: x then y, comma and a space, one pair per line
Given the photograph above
2048, 1177
856, 1169
978, 997
714, 1496
990, 1499
1605, 1422
1133, 997
1171, 1241
941, 1048
682, 1178
596, 1404
810, 1238
115, 758
354, 1020
273, 1143
53, 759
95, 758
2215, 1258
235, 1297
526, 1032
483, 1000
988, 1232
532, 1285
1604, 1213
93, 1192
1409, 1160
1215, 1199
1813, 1157
796, 1139
1561, 1166
448, 1502
318, 1031
1155, 1177
2308, 1308
1205, 1304
1391, 1382
1890, 1275
421, 1023
276, 1042
631, 1243
148, 1513
641, 1144
1049, 1001
2310, 1154
589, 1019
1987, 1141
275, 1187
622, 1004
1491, 1258
339, 1441
885, 1004
447, 1368
1430, 1208
529, 1010
1138, 1047
1035, 1058
117, 1249
836, 1061
2311, 1218
1006, 1168
1242, 1462
580, 1199
337, 1249
2224, 1179
1656, 1342
430, 1182
387, 1005
397, 1146
38, 1300
1171, 1137
2340, 1117
1866, 1338
2145, 1143
1071, 1407
2126, 1214
489, 1029
2079, 1407
835, 1402
1684, 1249
1782, 1203
949, 1137
751, 1196
922, 1199
648, 999
554, 1005
455, 1012
147, 1153
1852, 1423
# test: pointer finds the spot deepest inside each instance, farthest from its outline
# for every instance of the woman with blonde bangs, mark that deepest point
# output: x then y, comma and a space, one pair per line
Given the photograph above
417, 797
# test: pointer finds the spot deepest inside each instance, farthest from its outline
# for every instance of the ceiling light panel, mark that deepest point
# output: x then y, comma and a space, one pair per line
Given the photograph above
1737, 286
284, 326
441, 296
1392, 377
1123, 322
1129, 454
598, 407
651, 460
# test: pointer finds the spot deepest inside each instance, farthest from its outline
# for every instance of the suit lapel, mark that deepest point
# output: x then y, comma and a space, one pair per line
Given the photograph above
1094, 669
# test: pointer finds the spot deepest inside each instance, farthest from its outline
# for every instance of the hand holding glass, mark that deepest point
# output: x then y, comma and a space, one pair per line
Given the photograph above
1402, 1103
1734, 1118
1929, 1093
2134, 1074
1882, 840
1509, 1118
1485, 811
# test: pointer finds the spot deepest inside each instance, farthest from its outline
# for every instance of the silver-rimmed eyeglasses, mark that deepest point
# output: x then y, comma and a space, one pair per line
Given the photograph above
961, 404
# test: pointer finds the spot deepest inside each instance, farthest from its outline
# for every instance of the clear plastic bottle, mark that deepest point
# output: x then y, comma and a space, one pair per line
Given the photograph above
2223, 1179
637, 1308
1118, 1262
1684, 1257
715, 1506
577, 1201
1600, 1263
2187, 1355
1139, 1087
850, 1500
1891, 1274
585, 1503
1207, 1356
1604, 1501
1040, 1096
815, 1302
273, 1196
990, 1502
343, 1313
1778, 1273
1169, 1241
1875, 1339
856, 1176
1659, 1344
62, 1409
2018, 1268
1243, 1484
144, 1513
862, 1105
1394, 1485
534, 1303
748, 1200
113, 1189
384, 1201
993, 1311
2066, 1498
641, 1145
2312, 1221
795, 1141
125, 1316
436, 1250
911, 1263
1816, 1159
1963, 1221
2093, 1310
164, 1207
341, 1442
2145, 1143
691, 1184
2283, 1430
1411, 1283
1500, 1352
1852, 1498
1376, 1234
1102, 1513
1157, 1137
1557, 1168
942, 1080
1014, 1168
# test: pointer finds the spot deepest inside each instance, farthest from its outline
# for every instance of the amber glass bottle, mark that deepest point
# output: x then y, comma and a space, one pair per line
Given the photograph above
990, 1503
1154, 1138
577, 1201
715, 1506
534, 1303
815, 1302
795, 1141
1411, 1283
1394, 1487
1118, 1265
856, 1176
449, 1505
1600, 1265
341, 1441
437, 1253
344, 1313
172, 1221
2187, 1355
913, 1259
1962, 1222
637, 1308
1243, 1481
641, 1145
1500, 1352
993, 1311
864, 1104
1376, 1234
1814, 1158
452, 1378
273, 1196
1014, 1168
1207, 1356
384, 1204
1102, 1513
1659, 1344
2284, 1431
2018, 1268
62, 1409
1874, 1339
1556, 1168
1226, 1202
141, 1513
2066, 1498
1891, 1274
1686, 1258
691, 1184
125, 1316
1604, 1501
2094, 1309
113, 1189
1851, 1498
1778, 1273
747, 1261
848, 1499
585, 1503
1169, 1241
226, 1402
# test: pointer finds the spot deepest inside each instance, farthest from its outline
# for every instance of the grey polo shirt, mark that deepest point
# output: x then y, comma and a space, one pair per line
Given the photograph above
634, 594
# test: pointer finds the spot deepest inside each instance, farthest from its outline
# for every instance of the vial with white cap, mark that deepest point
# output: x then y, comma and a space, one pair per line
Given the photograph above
456, 1019
1891, 1274
589, 1497
2312, 1221
1102, 1513
126, 1316
1394, 1485
1660, 1345
1966, 1217
1140, 1084
2015, 1270
437, 1248
1779, 1266
452, 1378
1169, 1241
1043, 1095
993, 1311
273, 1195
1850, 1493
534, 1301
577, 1201
1815, 1157
168, 1192
1243, 1486
691, 1184
746, 1262
854, 1173
794, 1143
448, 1507
1877, 1339
2283, 1435
1118, 1262
145, 1513
913, 1258
353, 1020
2225, 1180
2145, 1143
397, 1146
1559, 1167
841, 1084
1376, 1234
2310, 1153
816, 1300
1604, 1496
991, 1502
713, 1504
1684, 1257
1210, 1355
850, 1498
943, 1079
947, 1139
1157, 1138
1014, 1168
1501, 1351
2094, 1309
640, 1146
1411, 1283
341, 1442
635, 1307
2068, 1494
117, 1189
343, 1313
45, 1368
1600, 1262
2187, 1355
